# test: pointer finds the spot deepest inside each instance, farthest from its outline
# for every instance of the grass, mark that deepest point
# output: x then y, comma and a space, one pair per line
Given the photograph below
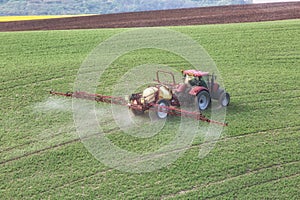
257, 156
32, 17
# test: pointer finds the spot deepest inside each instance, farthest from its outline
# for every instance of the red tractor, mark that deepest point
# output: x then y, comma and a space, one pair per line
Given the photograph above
198, 89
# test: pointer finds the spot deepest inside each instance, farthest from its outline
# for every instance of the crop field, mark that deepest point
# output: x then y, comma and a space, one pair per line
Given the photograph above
256, 157
32, 17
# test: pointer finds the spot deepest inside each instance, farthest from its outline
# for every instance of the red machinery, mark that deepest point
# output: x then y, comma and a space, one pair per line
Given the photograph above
166, 98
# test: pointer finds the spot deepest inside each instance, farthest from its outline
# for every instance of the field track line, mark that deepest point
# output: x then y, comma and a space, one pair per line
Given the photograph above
197, 187
39, 139
99, 172
266, 92
75, 181
29, 75
45, 149
268, 100
263, 182
247, 134
245, 96
181, 192
115, 129
39, 151
29, 138
32, 141
37, 82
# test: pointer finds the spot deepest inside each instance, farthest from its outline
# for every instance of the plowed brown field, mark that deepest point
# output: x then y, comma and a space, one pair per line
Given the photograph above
176, 17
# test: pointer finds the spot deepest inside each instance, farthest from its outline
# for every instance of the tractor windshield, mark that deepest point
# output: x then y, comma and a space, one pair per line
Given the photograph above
196, 80
188, 78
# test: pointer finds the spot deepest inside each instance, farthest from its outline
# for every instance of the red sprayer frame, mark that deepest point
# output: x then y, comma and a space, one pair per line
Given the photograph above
121, 101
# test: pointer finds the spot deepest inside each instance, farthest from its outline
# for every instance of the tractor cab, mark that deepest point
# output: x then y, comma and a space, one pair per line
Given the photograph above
195, 78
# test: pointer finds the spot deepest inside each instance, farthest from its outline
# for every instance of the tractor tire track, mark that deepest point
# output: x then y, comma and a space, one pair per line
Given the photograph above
75, 181
39, 151
251, 185
61, 72
261, 93
212, 183
31, 142
36, 82
241, 96
25, 76
262, 101
221, 139
108, 170
47, 148
257, 170
39, 140
116, 129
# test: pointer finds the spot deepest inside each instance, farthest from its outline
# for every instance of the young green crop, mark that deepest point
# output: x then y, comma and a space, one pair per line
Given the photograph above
258, 153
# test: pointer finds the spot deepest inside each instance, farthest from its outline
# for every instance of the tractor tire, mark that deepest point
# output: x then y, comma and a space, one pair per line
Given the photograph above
203, 100
162, 112
224, 99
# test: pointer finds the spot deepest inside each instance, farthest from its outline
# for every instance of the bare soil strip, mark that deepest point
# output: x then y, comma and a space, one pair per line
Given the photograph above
176, 17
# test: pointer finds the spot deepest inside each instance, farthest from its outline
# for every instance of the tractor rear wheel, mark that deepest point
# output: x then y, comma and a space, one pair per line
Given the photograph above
203, 100
162, 109
224, 99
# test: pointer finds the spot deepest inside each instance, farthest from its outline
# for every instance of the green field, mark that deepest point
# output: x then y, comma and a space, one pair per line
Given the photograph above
257, 156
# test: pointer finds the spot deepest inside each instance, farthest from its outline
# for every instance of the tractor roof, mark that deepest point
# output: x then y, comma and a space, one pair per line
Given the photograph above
192, 72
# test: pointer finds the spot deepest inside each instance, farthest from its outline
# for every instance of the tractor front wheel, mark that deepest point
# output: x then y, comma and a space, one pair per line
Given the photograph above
203, 100
224, 99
